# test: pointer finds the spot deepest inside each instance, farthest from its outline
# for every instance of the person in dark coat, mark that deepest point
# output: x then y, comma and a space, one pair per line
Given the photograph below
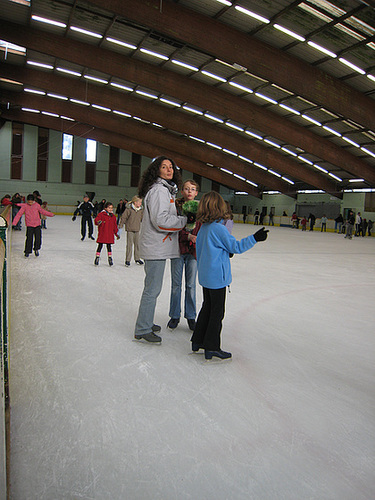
86, 209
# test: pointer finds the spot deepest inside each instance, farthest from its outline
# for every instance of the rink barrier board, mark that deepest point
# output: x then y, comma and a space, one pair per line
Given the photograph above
5, 223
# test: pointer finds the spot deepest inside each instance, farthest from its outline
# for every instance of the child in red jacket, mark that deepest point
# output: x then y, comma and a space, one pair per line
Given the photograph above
32, 211
107, 230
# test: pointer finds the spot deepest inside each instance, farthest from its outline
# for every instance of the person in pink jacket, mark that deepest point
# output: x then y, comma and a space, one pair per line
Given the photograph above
32, 211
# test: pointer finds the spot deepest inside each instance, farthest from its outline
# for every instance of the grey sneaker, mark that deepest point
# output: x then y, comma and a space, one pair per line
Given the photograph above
149, 337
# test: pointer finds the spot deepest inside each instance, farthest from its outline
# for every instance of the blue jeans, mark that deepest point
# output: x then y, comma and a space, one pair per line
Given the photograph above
154, 272
177, 267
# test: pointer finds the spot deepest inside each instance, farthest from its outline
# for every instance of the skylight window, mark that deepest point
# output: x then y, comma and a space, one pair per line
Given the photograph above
328, 7
12, 48
360, 25
350, 32
314, 12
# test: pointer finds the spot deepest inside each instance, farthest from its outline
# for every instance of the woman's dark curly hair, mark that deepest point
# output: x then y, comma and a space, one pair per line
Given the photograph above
152, 172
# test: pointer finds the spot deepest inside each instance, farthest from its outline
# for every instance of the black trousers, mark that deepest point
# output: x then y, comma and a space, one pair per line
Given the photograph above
83, 225
209, 323
100, 246
33, 235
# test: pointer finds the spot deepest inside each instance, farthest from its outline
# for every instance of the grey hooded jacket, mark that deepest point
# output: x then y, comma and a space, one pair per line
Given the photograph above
160, 225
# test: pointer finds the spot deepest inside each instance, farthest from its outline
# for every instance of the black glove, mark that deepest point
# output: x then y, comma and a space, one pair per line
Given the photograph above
191, 218
74, 218
261, 235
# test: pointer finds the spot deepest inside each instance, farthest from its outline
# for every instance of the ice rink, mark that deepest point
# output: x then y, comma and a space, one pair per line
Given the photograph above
96, 415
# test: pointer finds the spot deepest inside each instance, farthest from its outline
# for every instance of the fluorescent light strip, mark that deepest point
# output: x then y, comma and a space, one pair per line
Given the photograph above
192, 110
82, 103
225, 2
350, 142
352, 66
214, 118
67, 118
356, 180
368, 151
264, 97
289, 32
372, 77
321, 49
122, 87
154, 54
332, 131
235, 127
48, 21
229, 152
54, 115
86, 32
305, 160
33, 91
101, 108
123, 44
140, 119
40, 65
334, 177
69, 71
195, 138
245, 159
252, 183
252, 134
225, 170
213, 145
30, 110
315, 122
251, 14
157, 125
290, 152
215, 77
168, 101
95, 79
321, 169
271, 143
288, 108
184, 65
57, 96
146, 94
241, 87
274, 173
239, 177
121, 113
287, 180
260, 166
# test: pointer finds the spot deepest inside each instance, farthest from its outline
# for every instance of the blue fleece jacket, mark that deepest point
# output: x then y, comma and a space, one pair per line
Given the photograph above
214, 244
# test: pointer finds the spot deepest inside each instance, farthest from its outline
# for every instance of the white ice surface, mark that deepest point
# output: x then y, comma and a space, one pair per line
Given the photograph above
95, 415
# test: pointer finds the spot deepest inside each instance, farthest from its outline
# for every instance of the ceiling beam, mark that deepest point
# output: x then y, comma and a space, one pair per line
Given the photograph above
130, 144
193, 92
233, 46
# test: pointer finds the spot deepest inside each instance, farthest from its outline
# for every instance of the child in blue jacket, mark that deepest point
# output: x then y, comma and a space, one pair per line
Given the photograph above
214, 245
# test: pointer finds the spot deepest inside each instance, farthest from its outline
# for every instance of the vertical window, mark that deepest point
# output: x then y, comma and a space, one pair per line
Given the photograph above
41, 173
114, 158
67, 147
90, 161
136, 170
91, 150
17, 151
67, 157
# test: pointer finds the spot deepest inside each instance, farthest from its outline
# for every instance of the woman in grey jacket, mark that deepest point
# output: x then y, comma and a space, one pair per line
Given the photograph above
158, 238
